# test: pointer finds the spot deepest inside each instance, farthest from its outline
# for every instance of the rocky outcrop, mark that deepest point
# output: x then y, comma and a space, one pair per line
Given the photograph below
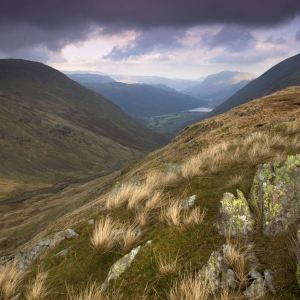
276, 193
234, 216
119, 267
172, 168
26, 256
187, 203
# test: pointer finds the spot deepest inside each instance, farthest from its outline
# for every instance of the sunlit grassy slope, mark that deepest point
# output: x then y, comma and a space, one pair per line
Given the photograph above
216, 156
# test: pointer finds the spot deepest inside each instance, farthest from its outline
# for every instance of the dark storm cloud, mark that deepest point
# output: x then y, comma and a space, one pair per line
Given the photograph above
55, 23
278, 41
233, 38
298, 35
147, 42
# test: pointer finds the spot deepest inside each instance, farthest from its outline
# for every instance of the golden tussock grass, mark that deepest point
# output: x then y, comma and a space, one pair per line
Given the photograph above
37, 289
166, 264
194, 217
128, 238
236, 258
170, 214
190, 287
235, 180
138, 196
156, 201
93, 292
142, 216
121, 197
104, 238
10, 280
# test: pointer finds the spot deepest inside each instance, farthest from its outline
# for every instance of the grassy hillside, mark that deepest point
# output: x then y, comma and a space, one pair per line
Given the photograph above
53, 129
144, 100
282, 75
217, 155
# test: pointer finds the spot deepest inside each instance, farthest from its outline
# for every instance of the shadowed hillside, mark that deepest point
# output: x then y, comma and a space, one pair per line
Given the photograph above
53, 129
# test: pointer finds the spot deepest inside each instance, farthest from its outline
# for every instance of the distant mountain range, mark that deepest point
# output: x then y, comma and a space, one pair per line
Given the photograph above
218, 87
174, 83
144, 100
90, 78
52, 127
282, 75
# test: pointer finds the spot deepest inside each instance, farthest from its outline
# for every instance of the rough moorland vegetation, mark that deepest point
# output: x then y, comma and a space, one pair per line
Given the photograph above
173, 226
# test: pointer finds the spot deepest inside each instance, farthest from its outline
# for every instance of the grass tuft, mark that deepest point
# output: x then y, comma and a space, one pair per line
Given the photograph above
37, 289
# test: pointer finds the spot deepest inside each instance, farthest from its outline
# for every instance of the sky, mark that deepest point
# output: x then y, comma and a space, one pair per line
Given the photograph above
171, 38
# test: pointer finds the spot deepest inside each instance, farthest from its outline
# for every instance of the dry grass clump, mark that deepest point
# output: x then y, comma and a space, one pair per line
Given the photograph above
10, 280
156, 201
194, 217
93, 292
37, 289
293, 127
236, 258
165, 264
121, 197
235, 180
138, 196
191, 167
190, 288
128, 237
170, 214
104, 238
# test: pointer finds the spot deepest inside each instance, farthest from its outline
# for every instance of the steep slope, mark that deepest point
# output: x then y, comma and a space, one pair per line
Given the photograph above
53, 129
90, 78
282, 75
144, 100
174, 196
218, 87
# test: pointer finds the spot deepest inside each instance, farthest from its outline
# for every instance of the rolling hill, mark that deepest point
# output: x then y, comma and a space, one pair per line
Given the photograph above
282, 75
90, 78
144, 100
218, 87
53, 129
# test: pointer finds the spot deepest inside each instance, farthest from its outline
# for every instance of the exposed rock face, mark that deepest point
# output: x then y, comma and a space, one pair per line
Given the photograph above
218, 274
120, 267
234, 215
276, 192
135, 180
187, 203
256, 290
26, 256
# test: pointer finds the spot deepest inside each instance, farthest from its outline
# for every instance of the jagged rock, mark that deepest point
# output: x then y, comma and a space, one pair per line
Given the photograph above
26, 256
298, 257
276, 192
120, 267
231, 278
216, 271
172, 168
255, 274
234, 216
269, 281
187, 203
134, 181
256, 290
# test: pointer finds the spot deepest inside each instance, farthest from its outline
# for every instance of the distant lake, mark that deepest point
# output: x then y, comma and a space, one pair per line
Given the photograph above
200, 109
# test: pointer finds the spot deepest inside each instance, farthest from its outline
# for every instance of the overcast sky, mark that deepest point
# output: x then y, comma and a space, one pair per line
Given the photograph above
171, 38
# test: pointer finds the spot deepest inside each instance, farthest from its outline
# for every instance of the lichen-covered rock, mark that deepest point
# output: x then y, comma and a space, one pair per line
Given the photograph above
26, 256
256, 290
116, 189
120, 267
234, 216
216, 272
172, 168
276, 193
187, 203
